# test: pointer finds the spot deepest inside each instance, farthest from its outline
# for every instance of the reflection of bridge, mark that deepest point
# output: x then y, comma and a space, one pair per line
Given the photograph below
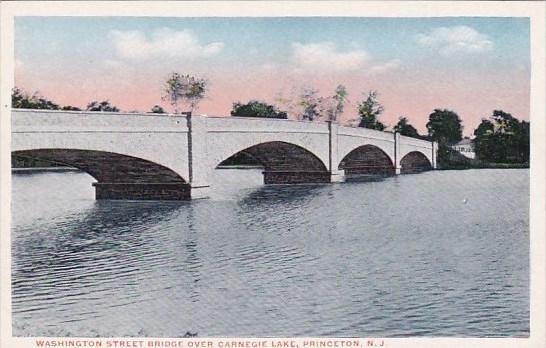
150, 156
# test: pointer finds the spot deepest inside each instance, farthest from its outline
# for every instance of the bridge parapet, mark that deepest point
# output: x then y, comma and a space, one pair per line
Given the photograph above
415, 142
53, 120
263, 125
361, 132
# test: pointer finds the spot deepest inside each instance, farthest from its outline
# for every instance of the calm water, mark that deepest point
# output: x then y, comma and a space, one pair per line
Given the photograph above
439, 253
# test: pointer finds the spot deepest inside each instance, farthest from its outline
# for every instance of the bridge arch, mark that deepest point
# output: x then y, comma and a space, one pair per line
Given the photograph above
285, 163
414, 162
118, 176
367, 160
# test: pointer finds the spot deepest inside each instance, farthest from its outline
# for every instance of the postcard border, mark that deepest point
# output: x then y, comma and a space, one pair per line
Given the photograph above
535, 10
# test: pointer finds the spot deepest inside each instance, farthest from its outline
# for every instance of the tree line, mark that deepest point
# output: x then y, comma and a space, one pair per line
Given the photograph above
499, 138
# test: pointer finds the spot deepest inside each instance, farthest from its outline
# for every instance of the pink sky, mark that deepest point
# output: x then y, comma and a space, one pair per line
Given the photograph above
473, 98
469, 65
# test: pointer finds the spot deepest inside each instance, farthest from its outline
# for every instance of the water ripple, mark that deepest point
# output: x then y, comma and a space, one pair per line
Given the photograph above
398, 257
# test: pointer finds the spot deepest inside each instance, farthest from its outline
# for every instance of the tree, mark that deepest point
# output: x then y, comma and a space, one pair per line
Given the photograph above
22, 100
502, 139
255, 108
369, 110
157, 109
404, 128
524, 141
184, 89
483, 144
311, 104
339, 99
103, 106
444, 126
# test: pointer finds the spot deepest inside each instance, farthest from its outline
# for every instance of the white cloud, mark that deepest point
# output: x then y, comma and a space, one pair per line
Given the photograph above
386, 66
18, 63
324, 56
164, 42
451, 40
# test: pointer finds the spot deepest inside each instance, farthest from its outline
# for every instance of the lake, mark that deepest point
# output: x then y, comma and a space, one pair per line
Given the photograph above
441, 253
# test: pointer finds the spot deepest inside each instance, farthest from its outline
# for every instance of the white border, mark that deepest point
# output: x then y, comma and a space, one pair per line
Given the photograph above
535, 10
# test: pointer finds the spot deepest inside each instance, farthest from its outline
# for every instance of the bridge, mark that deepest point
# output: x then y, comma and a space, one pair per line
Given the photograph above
171, 157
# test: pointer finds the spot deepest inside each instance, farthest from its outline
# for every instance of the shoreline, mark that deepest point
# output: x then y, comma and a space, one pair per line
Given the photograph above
488, 166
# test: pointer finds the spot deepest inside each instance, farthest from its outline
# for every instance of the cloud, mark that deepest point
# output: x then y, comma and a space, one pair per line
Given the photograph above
386, 66
18, 63
457, 39
164, 42
324, 56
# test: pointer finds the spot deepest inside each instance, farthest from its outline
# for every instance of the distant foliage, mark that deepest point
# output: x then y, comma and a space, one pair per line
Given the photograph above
157, 109
502, 139
307, 104
405, 128
184, 89
104, 106
311, 104
255, 108
70, 108
445, 126
22, 100
337, 103
369, 111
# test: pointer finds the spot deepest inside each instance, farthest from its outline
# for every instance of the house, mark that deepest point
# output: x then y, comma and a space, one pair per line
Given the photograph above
465, 147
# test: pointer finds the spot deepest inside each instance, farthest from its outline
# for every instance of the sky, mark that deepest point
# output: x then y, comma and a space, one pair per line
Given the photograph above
471, 65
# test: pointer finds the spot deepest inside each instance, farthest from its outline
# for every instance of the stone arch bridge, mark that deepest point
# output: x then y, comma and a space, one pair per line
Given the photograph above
151, 156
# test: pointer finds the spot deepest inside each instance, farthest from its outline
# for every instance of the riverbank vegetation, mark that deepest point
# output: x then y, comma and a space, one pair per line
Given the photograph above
501, 141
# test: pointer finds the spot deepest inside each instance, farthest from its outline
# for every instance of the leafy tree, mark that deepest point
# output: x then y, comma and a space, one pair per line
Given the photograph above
184, 89
104, 106
339, 99
256, 108
524, 141
444, 126
483, 145
311, 104
157, 109
502, 139
22, 100
369, 110
404, 128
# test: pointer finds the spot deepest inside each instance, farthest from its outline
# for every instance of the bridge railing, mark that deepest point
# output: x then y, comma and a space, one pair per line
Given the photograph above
405, 140
365, 133
257, 124
56, 120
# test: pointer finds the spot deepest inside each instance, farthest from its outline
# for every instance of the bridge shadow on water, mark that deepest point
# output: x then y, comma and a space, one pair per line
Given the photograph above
106, 226
113, 247
282, 194
367, 178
